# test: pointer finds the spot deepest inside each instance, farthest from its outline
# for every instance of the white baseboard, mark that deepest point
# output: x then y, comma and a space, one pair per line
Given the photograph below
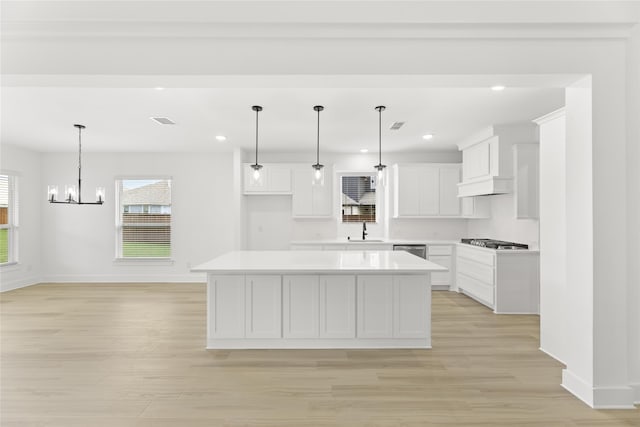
619, 397
126, 278
548, 353
636, 393
10, 285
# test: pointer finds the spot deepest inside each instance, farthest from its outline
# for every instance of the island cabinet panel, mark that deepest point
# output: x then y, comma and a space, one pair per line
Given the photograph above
263, 306
226, 302
337, 306
411, 301
375, 306
300, 306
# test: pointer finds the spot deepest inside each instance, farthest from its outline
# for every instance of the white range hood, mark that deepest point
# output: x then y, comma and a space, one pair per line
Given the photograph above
487, 159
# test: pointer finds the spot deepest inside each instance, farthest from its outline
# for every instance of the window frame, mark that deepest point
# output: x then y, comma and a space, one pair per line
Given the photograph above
378, 204
119, 258
12, 226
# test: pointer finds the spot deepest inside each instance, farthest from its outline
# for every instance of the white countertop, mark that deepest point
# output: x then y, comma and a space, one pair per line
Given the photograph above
374, 240
501, 251
252, 262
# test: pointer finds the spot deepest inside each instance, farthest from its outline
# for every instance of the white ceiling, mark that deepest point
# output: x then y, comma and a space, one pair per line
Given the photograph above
118, 119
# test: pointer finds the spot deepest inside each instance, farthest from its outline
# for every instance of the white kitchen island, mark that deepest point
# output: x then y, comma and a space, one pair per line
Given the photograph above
318, 299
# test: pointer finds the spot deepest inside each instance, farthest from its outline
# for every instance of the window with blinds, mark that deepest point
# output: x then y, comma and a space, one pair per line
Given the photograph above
144, 218
358, 199
8, 219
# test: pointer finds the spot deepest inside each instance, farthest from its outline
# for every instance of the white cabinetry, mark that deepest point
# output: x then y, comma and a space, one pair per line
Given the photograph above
375, 306
275, 178
476, 207
441, 255
225, 309
506, 281
311, 201
424, 190
300, 296
337, 306
410, 301
263, 306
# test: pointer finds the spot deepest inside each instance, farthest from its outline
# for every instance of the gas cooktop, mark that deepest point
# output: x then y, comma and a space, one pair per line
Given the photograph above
494, 244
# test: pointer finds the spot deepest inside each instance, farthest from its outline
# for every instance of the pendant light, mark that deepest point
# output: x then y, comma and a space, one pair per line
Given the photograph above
256, 178
380, 167
73, 194
318, 169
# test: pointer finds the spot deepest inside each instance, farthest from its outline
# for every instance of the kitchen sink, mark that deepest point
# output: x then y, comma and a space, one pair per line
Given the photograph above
366, 241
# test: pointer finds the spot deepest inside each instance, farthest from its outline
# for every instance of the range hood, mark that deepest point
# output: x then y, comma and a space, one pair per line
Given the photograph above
487, 159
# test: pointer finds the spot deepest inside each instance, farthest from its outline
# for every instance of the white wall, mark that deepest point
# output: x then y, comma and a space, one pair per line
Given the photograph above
78, 242
503, 224
553, 235
25, 165
269, 222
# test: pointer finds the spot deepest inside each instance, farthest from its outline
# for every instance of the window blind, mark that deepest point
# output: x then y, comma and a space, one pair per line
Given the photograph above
145, 218
358, 199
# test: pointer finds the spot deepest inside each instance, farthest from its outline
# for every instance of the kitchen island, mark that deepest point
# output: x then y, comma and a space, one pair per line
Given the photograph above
318, 299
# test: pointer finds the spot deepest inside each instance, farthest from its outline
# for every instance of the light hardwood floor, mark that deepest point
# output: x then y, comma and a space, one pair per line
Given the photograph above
133, 355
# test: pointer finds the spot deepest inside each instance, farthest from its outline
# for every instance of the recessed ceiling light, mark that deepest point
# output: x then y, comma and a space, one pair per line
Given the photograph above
427, 136
159, 88
221, 137
364, 150
497, 88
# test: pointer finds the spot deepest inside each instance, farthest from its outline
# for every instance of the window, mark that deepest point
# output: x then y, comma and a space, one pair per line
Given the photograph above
8, 219
144, 218
358, 198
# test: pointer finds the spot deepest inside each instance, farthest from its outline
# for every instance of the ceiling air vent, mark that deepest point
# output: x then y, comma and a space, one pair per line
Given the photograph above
396, 125
163, 120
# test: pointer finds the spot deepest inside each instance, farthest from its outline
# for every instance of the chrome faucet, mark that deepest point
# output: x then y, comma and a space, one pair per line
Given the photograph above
364, 230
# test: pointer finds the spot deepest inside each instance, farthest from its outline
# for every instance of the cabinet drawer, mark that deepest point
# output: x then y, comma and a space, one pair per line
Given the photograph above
481, 272
440, 249
477, 255
479, 290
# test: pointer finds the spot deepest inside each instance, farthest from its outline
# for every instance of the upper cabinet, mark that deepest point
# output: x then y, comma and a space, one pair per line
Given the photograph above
311, 201
423, 190
275, 178
487, 159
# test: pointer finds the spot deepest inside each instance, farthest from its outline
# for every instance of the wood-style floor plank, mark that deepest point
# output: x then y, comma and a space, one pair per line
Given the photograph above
133, 355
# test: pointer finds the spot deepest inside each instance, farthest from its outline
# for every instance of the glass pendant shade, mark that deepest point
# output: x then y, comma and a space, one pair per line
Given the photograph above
317, 176
70, 193
52, 193
381, 176
256, 175
100, 194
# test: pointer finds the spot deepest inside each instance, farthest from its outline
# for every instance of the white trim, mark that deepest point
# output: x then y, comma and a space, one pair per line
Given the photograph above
636, 393
292, 343
613, 397
552, 355
10, 285
126, 278
560, 112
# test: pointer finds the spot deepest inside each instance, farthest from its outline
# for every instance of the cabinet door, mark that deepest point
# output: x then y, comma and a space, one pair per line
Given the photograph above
300, 306
337, 307
429, 190
301, 201
441, 278
449, 202
263, 306
225, 307
375, 306
279, 179
411, 306
407, 191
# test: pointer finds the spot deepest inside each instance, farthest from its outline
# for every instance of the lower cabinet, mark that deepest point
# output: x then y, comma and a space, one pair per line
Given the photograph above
393, 306
325, 306
263, 310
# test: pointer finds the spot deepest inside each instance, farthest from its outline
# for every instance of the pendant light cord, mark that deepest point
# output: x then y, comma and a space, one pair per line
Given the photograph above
257, 111
380, 135
79, 164
318, 140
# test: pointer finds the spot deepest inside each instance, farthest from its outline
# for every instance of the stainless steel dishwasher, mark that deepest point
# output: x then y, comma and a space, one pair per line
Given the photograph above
418, 250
